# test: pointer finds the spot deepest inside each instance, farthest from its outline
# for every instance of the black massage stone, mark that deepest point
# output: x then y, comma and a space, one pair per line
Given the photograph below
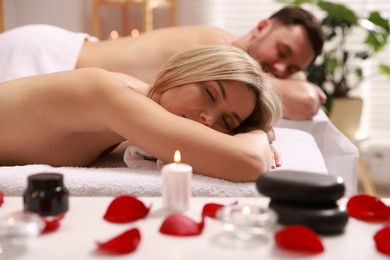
323, 220
300, 187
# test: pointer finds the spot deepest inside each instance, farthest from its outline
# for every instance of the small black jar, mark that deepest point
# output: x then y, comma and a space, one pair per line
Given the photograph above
46, 194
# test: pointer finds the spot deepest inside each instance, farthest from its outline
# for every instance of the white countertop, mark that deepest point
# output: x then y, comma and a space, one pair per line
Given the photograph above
83, 225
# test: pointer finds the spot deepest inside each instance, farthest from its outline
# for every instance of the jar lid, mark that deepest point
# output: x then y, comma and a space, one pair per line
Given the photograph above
46, 181
46, 194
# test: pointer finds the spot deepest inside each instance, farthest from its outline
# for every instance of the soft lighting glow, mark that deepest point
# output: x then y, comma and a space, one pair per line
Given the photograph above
11, 221
177, 157
246, 210
114, 35
134, 33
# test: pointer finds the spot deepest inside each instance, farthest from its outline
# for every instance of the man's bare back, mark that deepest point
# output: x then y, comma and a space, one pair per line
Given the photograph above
143, 56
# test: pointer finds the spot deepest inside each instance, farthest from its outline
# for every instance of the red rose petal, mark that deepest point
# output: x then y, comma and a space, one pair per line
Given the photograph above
181, 225
210, 210
125, 243
1, 198
299, 238
368, 208
382, 240
52, 223
125, 209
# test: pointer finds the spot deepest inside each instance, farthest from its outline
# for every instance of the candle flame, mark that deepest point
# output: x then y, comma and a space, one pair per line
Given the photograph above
114, 35
135, 33
246, 210
11, 221
177, 157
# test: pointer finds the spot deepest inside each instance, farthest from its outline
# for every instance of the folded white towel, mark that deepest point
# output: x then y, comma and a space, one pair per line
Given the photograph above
36, 49
133, 154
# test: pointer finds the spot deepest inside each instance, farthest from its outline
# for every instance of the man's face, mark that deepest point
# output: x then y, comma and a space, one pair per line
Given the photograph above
282, 50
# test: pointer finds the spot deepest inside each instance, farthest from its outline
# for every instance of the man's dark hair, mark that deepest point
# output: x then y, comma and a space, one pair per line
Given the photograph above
293, 15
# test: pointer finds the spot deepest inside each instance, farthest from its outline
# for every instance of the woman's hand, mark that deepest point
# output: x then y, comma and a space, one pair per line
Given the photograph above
276, 158
271, 135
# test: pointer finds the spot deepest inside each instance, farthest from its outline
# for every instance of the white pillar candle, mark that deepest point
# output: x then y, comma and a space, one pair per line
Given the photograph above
176, 189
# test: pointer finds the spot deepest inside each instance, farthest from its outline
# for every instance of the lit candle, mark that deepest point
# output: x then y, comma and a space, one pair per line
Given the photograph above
176, 190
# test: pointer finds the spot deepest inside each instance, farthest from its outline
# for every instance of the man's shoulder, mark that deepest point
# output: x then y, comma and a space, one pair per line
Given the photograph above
195, 28
202, 33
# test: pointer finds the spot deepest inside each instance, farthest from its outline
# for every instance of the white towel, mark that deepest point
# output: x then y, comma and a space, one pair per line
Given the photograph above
109, 176
133, 154
36, 49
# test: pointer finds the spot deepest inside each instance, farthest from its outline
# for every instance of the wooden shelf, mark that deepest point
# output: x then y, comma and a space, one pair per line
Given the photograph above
2, 16
147, 13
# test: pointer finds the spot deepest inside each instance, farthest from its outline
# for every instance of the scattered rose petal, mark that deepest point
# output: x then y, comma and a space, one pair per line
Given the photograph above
181, 225
382, 240
52, 223
368, 208
125, 209
125, 243
299, 238
1, 198
210, 210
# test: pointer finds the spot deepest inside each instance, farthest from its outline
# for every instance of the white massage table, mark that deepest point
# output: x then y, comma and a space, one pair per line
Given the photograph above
110, 176
312, 146
340, 154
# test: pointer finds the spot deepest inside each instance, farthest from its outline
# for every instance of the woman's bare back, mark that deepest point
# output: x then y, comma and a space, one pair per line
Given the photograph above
42, 123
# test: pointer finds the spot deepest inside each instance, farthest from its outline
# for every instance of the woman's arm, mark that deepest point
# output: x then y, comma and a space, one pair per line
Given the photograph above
79, 113
145, 123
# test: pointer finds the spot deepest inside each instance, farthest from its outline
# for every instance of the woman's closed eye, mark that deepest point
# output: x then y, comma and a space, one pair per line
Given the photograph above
211, 96
225, 122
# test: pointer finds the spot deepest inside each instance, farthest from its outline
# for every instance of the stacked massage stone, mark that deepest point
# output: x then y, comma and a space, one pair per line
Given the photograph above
307, 199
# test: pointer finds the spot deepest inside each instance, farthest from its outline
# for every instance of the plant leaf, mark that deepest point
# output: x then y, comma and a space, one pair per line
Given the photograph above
375, 41
339, 13
124, 243
378, 20
125, 209
385, 69
299, 238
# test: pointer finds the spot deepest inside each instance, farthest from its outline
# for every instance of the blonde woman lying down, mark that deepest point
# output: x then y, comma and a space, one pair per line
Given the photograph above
211, 103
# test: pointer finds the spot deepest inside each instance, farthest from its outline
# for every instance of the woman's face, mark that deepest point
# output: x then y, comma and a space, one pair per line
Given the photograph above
221, 105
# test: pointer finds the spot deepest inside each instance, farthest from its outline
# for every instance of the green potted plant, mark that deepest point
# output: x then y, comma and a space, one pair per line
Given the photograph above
339, 69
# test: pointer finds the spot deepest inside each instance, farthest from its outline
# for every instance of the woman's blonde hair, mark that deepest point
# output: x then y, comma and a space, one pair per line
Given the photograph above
226, 63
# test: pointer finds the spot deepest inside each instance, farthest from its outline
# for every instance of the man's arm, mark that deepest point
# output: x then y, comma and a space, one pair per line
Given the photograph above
301, 99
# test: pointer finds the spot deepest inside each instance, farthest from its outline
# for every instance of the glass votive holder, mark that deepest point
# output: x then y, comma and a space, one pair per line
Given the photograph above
247, 222
15, 231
